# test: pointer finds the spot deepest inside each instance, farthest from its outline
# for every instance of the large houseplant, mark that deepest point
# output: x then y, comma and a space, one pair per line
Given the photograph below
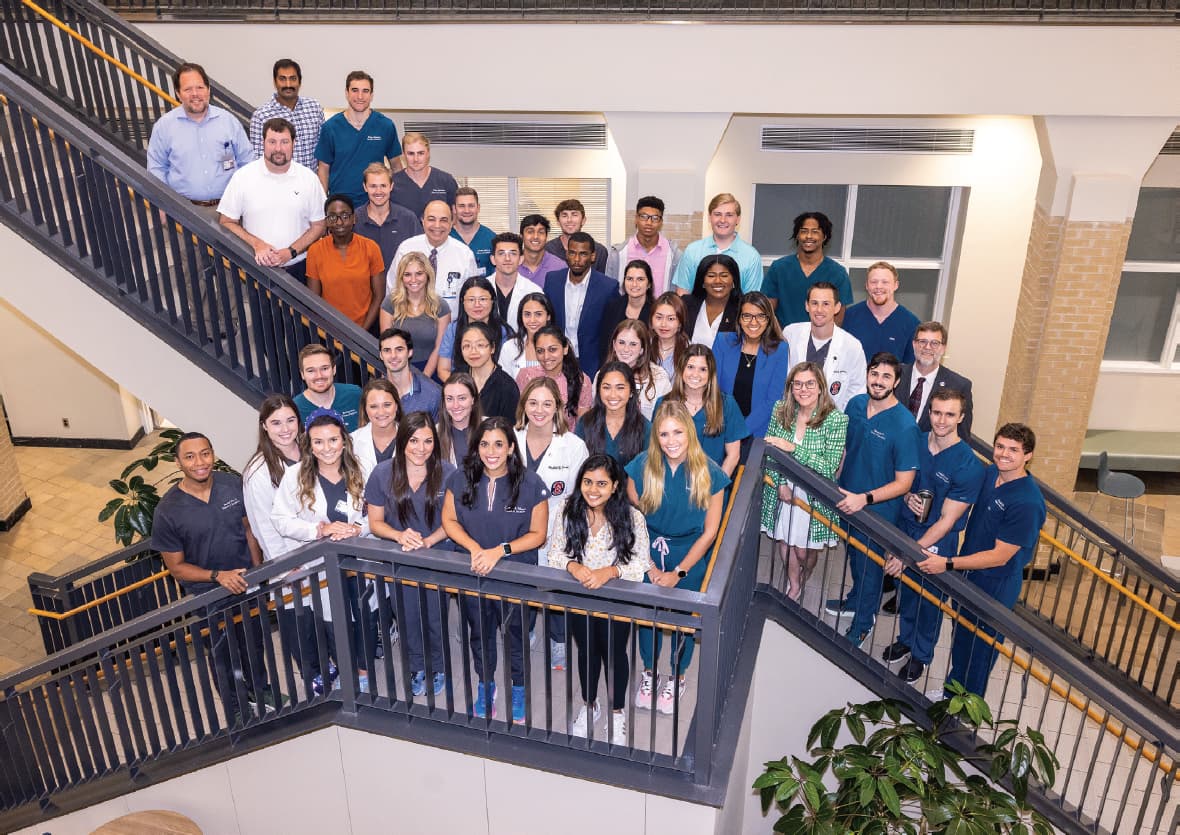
898, 777
132, 510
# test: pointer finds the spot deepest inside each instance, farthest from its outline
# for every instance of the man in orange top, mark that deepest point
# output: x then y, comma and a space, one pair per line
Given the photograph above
346, 269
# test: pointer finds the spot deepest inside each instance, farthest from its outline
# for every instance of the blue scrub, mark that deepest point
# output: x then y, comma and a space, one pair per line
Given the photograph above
348, 152
733, 427
612, 444
786, 284
1013, 513
895, 334
673, 528
876, 450
480, 246
489, 526
347, 401
954, 474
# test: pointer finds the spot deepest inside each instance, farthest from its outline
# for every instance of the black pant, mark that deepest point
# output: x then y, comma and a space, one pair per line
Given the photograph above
248, 670
602, 643
298, 630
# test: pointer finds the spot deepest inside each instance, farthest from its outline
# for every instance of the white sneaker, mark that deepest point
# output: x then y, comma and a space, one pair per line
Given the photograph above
578, 728
668, 695
619, 734
643, 694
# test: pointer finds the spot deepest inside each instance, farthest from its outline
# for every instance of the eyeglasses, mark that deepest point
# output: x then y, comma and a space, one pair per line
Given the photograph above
928, 343
754, 317
646, 218
804, 385
340, 218
480, 299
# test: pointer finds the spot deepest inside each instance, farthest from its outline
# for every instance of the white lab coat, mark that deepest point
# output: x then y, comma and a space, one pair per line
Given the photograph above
844, 367
362, 448
558, 468
259, 495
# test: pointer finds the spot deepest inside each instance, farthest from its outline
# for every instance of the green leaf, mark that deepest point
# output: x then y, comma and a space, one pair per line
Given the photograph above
766, 781
119, 487
866, 788
889, 795
1048, 763
829, 731
811, 794
1005, 738
150, 462
787, 790
1021, 760
856, 727
767, 799
109, 509
792, 822
874, 711
136, 482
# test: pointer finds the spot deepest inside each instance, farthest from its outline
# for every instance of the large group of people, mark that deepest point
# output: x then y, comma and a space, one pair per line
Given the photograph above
558, 402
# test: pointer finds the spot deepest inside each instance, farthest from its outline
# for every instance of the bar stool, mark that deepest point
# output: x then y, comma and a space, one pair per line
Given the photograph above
1121, 486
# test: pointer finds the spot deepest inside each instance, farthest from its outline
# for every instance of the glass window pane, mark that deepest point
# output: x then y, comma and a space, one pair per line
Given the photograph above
1155, 233
900, 221
493, 201
777, 206
541, 196
917, 292
1142, 312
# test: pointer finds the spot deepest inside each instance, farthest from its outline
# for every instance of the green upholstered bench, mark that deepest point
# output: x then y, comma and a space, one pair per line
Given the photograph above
1157, 452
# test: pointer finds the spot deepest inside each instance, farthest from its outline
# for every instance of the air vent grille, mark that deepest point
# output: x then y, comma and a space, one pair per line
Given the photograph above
869, 140
522, 134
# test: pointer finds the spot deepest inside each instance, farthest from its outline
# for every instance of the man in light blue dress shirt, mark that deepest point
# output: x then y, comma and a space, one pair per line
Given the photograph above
196, 148
725, 214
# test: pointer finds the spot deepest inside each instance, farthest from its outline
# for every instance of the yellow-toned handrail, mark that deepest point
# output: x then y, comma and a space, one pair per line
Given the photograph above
1106, 578
86, 42
99, 600
737, 480
1112, 726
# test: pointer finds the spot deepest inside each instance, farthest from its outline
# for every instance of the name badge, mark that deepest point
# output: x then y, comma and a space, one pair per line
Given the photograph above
342, 507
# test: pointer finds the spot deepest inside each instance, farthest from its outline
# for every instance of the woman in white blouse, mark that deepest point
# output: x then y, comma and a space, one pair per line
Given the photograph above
518, 353
279, 433
324, 498
381, 409
631, 343
599, 538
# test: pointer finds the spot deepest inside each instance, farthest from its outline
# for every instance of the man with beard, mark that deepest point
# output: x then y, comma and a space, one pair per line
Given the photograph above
879, 322
470, 231
304, 113
275, 206
789, 277
201, 530
880, 459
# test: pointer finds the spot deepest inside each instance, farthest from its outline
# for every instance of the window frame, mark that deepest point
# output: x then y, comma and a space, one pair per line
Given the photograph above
1167, 363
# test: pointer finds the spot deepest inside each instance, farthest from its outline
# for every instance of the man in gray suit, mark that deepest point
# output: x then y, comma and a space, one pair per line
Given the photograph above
927, 374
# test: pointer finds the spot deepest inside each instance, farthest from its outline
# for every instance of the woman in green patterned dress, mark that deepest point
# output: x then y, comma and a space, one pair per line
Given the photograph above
806, 424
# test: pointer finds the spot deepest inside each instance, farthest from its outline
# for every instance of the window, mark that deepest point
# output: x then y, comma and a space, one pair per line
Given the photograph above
1145, 325
503, 201
911, 227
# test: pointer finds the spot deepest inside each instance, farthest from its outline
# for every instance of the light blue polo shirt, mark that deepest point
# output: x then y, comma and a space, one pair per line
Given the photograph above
748, 260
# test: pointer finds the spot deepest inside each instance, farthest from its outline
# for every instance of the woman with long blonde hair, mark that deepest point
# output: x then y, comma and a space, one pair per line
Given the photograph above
807, 425
719, 422
680, 492
416, 308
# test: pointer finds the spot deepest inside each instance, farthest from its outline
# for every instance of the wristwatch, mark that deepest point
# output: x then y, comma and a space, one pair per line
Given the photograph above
681, 573
294, 252
213, 575
868, 498
950, 564
507, 546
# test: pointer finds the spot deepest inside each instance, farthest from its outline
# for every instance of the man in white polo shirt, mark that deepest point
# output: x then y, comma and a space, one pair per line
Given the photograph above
274, 205
450, 258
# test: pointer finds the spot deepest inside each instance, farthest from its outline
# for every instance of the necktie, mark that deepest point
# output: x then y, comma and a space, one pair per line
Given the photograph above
916, 396
434, 261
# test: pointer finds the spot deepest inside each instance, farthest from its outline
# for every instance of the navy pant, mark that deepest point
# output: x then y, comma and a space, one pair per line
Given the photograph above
248, 669
421, 632
298, 630
972, 659
484, 619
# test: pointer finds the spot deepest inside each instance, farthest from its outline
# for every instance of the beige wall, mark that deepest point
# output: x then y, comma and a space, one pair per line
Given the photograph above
44, 382
123, 350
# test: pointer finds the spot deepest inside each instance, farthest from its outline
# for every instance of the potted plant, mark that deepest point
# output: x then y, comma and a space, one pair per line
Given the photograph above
897, 776
132, 510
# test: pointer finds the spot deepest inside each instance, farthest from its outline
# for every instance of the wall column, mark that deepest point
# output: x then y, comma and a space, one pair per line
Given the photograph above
673, 170
14, 501
1092, 168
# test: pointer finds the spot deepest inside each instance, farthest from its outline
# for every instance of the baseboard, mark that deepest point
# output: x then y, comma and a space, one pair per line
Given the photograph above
81, 443
11, 519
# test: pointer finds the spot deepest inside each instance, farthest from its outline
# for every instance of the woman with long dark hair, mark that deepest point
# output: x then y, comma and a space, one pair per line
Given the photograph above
477, 303
498, 393
614, 425
323, 498
517, 353
634, 303
558, 363
598, 537
680, 492
720, 424
669, 331
753, 361
713, 305
381, 405
405, 498
495, 509
631, 343
279, 431
460, 413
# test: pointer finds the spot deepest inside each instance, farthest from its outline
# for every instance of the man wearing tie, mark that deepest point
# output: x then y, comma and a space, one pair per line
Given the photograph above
927, 374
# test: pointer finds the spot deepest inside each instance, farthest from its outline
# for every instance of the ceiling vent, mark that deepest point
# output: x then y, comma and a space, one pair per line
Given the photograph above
519, 134
868, 140
1172, 146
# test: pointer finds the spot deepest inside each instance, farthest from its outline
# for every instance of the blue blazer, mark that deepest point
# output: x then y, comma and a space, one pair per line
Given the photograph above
770, 377
601, 290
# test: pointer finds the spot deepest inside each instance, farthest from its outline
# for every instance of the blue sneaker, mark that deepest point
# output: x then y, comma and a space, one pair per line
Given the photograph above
839, 608
440, 681
418, 683
317, 683
362, 682
858, 639
481, 704
518, 704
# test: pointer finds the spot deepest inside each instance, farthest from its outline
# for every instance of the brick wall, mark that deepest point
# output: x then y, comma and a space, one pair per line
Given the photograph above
1067, 296
679, 229
13, 498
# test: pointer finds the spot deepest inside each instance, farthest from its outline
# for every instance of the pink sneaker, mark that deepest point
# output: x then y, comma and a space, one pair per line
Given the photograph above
668, 695
643, 694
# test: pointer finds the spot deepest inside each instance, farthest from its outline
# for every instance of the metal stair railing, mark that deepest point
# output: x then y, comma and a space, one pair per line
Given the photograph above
105, 70
149, 252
